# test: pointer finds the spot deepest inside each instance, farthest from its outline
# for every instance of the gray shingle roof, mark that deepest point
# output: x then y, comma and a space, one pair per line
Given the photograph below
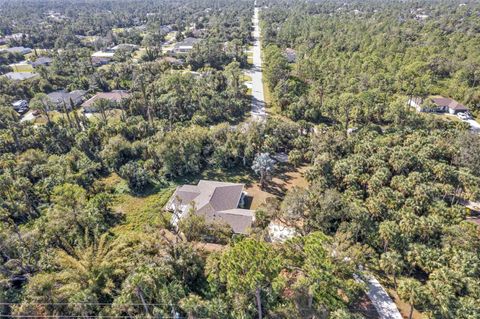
215, 200
60, 97
188, 42
20, 76
43, 60
239, 219
21, 50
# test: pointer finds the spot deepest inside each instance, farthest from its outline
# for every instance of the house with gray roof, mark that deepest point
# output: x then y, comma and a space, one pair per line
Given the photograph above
66, 99
43, 60
19, 50
216, 201
185, 46
20, 76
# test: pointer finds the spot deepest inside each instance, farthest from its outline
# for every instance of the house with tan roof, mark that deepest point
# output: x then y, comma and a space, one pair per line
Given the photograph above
114, 97
216, 201
438, 104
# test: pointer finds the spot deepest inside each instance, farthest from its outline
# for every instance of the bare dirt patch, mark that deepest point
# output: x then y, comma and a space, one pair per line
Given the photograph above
285, 178
402, 306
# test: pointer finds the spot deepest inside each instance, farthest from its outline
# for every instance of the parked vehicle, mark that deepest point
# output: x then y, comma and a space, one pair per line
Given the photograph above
464, 116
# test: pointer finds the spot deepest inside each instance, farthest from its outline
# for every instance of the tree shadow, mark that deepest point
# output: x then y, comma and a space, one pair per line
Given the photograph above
280, 189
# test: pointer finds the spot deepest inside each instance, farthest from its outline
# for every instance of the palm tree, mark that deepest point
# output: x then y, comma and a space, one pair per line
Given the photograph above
93, 267
42, 103
410, 290
392, 263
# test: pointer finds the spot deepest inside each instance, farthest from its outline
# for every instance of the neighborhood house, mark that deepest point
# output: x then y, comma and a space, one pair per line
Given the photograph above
20, 76
102, 57
124, 46
63, 99
114, 97
437, 104
43, 60
185, 46
216, 201
18, 50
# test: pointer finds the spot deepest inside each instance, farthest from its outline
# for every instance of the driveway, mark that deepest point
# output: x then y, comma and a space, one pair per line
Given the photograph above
385, 306
28, 117
474, 125
258, 98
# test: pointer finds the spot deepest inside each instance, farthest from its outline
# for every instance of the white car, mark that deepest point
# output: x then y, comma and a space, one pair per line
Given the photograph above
464, 116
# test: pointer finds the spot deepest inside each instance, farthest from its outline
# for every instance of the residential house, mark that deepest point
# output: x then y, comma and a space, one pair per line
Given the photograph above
124, 46
216, 201
114, 97
173, 61
16, 36
62, 99
166, 28
102, 57
43, 60
185, 46
20, 76
438, 104
18, 50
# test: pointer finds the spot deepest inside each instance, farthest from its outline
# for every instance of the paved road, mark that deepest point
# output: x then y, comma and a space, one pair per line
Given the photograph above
258, 98
385, 306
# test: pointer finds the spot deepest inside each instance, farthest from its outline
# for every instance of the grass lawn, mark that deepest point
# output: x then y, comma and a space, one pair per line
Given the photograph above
171, 35
141, 211
447, 117
105, 67
167, 48
118, 30
139, 53
250, 59
247, 78
22, 67
266, 93
31, 55
249, 91
112, 115
54, 116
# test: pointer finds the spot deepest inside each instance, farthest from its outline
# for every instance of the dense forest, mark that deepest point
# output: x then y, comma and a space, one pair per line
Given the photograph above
83, 228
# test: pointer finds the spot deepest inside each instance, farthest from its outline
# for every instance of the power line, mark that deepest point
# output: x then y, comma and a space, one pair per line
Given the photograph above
91, 317
81, 303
